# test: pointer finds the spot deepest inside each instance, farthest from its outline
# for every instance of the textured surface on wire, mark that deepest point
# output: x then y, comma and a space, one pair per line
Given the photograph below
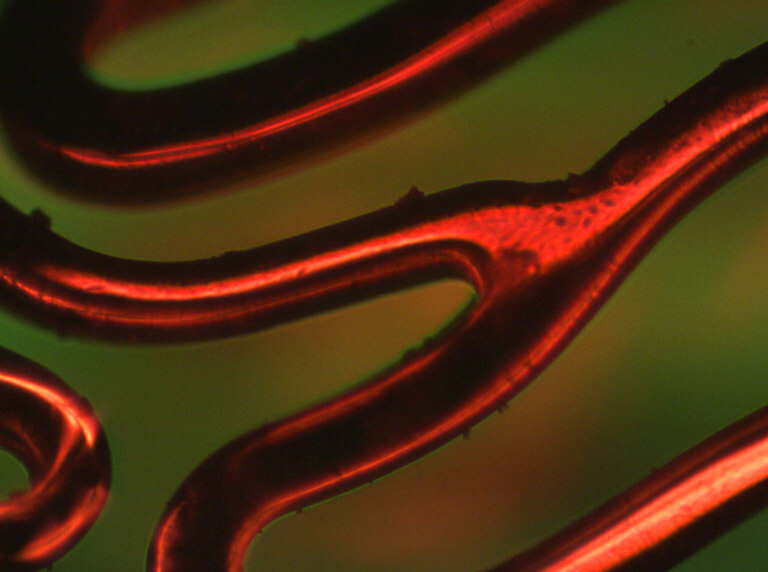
535, 247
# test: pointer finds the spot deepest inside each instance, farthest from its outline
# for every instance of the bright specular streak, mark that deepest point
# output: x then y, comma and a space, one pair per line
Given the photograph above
541, 257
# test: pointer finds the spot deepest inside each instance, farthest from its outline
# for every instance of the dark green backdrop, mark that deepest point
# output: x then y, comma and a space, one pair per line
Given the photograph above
677, 355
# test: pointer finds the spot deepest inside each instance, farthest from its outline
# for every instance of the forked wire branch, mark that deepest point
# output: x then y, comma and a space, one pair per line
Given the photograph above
541, 257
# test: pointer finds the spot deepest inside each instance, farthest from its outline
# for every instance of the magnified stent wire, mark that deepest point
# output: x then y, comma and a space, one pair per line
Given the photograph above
57, 436
541, 258
669, 515
144, 147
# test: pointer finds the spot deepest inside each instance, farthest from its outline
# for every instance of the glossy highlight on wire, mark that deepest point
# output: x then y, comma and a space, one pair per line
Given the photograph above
58, 438
144, 147
541, 258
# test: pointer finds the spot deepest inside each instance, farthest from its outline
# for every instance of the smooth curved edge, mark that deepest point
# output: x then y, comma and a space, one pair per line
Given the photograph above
537, 290
154, 146
709, 133
59, 439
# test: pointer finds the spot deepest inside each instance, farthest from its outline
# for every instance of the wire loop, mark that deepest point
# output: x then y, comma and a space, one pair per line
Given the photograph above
541, 257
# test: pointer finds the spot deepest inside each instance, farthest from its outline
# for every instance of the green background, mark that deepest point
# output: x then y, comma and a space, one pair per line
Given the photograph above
678, 353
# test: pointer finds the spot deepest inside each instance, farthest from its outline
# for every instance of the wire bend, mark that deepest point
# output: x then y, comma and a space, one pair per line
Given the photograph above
58, 438
542, 259
503, 237
157, 145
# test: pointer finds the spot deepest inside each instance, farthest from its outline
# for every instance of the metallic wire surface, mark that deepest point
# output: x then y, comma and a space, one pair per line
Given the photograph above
152, 146
541, 258
669, 515
59, 439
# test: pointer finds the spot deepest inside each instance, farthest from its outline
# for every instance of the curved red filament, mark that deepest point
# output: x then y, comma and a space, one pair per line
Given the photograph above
59, 439
509, 240
149, 146
541, 257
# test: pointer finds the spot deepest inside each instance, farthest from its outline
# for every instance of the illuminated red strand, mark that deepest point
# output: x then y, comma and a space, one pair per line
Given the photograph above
542, 259
669, 515
504, 238
55, 433
155, 145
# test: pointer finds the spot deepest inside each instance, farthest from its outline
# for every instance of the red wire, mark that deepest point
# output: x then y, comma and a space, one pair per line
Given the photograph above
541, 257
60, 441
152, 146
